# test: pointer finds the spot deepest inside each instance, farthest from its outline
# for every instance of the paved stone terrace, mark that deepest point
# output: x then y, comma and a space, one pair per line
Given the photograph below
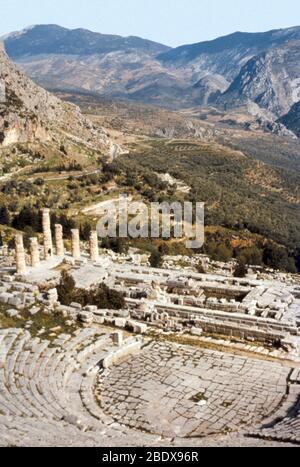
181, 391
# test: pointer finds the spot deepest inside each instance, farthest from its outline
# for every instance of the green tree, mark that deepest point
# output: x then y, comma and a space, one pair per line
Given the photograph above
105, 298
251, 256
4, 216
277, 257
118, 245
102, 296
66, 289
156, 259
27, 217
240, 269
85, 231
222, 253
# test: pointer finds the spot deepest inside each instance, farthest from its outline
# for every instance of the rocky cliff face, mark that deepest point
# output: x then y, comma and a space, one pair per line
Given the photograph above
29, 113
292, 119
209, 88
271, 80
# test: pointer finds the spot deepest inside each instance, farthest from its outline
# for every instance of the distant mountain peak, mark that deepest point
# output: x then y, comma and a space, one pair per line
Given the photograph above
230, 70
54, 39
16, 34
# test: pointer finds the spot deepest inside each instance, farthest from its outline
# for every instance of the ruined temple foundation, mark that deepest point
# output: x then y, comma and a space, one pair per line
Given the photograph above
34, 252
59, 242
48, 247
75, 244
20, 254
94, 250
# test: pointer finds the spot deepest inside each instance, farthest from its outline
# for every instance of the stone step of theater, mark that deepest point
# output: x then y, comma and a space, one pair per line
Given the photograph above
49, 391
47, 388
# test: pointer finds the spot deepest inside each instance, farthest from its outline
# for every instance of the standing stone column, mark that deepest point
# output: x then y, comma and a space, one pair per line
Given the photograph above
48, 246
20, 254
75, 244
94, 250
59, 242
34, 252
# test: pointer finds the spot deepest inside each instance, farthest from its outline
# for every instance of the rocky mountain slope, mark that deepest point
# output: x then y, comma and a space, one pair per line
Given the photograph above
256, 72
271, 80
78, 59
128, 118
220, 61
292, 119
53, 39
225, 56
29, 113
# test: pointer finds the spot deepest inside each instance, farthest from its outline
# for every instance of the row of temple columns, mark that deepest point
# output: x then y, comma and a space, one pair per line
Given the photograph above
48, 245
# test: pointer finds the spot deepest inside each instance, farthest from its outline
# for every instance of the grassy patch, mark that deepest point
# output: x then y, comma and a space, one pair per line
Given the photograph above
39, 322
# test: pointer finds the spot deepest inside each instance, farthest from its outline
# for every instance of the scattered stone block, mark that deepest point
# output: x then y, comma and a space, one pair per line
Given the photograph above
34, 310
86, 317
99, 319
118, 338
122, 313
291, 344
12, 313
5, 296
120, 322
51, 298
15, 301
76, 305
138, 328
56, 329
100, 313
196, 331
8, 278
91, 308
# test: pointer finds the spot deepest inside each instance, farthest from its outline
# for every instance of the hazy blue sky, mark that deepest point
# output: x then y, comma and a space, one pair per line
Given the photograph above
173, 22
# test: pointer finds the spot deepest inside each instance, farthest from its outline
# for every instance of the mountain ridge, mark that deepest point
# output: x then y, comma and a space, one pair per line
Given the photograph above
223, 42
40, 39
226, 72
